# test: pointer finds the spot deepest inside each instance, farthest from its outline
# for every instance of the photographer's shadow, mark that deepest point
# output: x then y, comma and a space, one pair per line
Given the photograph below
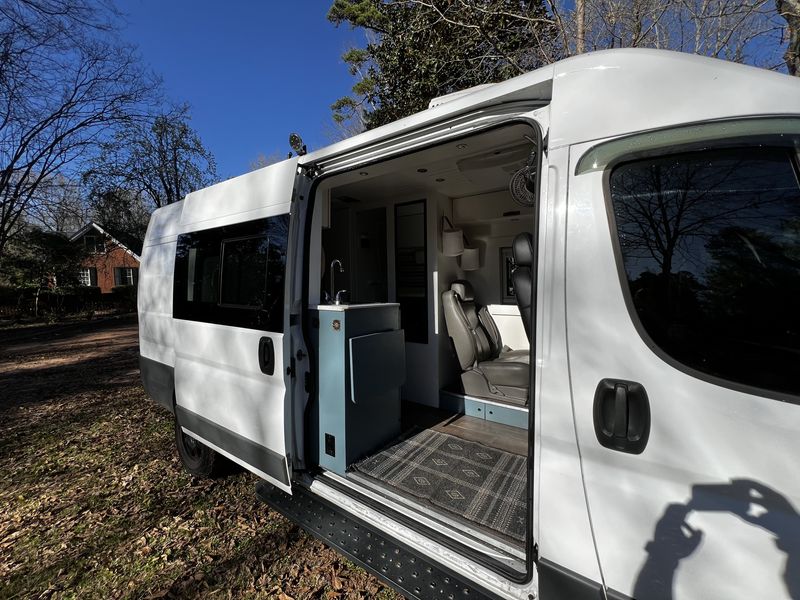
674, 539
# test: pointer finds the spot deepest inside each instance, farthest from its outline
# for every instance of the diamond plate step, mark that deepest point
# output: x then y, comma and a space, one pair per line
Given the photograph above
398, 565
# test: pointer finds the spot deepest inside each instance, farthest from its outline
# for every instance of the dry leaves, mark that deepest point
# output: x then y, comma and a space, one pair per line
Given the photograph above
95, 504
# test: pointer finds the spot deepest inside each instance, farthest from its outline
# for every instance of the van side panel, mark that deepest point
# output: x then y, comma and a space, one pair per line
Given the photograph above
223, 395
561, 524
156, 329
158, 380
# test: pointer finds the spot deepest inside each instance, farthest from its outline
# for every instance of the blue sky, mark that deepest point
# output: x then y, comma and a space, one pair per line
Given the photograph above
251, 71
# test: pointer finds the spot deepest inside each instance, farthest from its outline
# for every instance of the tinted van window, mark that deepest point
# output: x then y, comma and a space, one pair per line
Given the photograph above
244, 272
710, 244
233, 275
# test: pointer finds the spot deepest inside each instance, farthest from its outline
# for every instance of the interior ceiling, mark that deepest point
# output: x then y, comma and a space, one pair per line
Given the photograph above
467, 167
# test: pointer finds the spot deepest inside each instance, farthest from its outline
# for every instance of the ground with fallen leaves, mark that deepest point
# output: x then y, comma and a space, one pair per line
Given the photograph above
94, 502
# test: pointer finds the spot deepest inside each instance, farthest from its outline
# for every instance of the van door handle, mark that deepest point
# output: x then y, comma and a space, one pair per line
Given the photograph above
622, 415
266, 355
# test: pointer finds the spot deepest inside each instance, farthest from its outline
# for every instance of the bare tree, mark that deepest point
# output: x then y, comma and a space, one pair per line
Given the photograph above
580, 26
160, 159
58, 205
748, 31
63, 83
790, 10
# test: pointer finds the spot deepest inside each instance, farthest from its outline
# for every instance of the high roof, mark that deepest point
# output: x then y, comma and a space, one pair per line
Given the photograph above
611, 92
591, 97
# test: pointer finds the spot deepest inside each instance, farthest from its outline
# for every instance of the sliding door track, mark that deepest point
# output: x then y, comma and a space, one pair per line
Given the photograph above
401, 567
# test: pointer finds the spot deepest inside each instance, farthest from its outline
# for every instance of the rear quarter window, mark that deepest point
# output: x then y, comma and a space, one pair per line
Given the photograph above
710, 253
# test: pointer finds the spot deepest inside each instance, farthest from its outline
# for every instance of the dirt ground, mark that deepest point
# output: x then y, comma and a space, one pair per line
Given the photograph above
94, 502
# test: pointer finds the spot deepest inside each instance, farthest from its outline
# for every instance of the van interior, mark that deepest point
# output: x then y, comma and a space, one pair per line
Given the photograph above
420, 292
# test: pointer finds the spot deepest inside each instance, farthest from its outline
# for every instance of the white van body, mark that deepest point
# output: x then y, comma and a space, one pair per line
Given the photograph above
706, 508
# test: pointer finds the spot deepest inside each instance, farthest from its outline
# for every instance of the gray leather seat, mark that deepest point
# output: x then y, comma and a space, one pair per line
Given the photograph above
522, 278
490, 370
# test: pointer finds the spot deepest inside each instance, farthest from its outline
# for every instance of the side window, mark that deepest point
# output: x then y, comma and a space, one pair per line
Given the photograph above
710, 245
244, 272
233, 275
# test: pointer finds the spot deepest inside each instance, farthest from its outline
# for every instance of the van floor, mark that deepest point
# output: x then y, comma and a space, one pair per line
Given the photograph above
493, 435
472, 469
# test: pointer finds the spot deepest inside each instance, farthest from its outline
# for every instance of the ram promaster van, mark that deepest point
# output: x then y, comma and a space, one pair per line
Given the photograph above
539, 340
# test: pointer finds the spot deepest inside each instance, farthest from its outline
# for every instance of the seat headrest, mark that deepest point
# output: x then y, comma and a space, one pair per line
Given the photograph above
463, 290
523, 250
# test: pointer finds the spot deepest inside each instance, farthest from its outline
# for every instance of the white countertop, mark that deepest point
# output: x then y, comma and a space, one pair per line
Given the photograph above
343, 307
504, 309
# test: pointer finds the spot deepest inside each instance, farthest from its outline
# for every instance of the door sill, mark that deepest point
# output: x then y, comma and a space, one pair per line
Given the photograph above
405, 568
491, 556
440, 520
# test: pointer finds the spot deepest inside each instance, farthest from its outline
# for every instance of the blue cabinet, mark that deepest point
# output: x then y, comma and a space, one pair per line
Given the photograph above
361, 357
507, 415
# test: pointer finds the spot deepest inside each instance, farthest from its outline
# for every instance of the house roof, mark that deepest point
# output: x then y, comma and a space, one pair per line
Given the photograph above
127, 247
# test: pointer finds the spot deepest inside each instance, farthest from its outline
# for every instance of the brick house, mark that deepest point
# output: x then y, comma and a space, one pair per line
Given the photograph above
109, 263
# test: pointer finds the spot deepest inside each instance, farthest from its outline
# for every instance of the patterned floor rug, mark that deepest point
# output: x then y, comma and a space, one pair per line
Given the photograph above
479, 484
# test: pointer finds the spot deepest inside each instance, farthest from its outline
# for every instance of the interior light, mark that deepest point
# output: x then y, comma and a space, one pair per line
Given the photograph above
363, 173
461, 146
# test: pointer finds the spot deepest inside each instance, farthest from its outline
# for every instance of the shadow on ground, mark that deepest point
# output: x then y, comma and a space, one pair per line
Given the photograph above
95, 504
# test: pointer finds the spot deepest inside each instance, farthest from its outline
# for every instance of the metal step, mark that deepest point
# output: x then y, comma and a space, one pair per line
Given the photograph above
393, 562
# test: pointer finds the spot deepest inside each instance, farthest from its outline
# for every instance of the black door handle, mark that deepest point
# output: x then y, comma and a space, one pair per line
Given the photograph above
266, 355
622, 415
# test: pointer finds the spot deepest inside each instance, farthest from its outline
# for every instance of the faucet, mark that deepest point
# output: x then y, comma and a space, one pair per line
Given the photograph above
335, 262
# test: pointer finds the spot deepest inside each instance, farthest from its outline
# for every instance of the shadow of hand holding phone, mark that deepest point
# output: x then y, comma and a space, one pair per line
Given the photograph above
674, 539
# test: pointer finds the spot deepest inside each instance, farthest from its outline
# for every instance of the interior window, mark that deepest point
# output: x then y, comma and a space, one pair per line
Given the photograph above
710, 244
202, 283
244, 272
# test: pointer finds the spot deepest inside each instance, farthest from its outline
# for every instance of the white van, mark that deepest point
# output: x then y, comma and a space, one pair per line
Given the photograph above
539, 340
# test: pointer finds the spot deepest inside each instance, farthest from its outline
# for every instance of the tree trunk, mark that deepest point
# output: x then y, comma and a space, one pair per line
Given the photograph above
580, 29
790, 10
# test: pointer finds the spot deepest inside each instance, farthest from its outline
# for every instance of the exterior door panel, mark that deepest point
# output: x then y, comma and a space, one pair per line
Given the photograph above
709, 509
219, 379
230, 316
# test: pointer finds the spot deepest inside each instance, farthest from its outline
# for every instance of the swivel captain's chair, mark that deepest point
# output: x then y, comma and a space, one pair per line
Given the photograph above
488, 370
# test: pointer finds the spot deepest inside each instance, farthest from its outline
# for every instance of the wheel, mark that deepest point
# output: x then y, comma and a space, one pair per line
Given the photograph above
197, 458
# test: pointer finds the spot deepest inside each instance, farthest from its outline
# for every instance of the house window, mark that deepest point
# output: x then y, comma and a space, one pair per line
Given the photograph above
94, 244
126, 276
87, 276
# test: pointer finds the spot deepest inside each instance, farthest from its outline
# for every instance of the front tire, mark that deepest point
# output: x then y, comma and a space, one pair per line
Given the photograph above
197, 458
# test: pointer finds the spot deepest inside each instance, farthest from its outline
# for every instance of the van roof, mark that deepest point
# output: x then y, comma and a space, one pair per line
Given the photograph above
609, 93
592, 96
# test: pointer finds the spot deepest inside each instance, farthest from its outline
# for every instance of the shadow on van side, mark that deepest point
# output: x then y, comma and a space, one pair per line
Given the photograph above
674, 539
